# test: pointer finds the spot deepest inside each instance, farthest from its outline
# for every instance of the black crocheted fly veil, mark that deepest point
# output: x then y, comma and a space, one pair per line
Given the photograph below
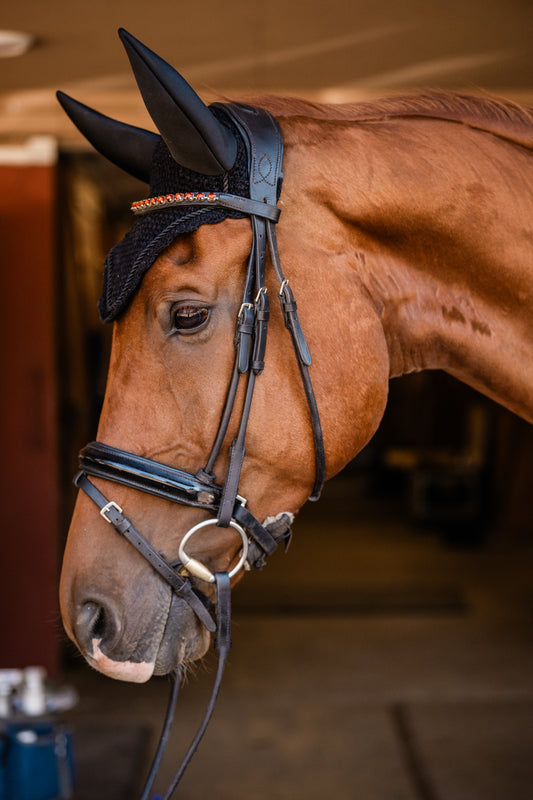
151, 234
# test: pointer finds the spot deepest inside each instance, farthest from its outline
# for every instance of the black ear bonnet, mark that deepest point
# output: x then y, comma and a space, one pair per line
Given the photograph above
199, 150
150, 235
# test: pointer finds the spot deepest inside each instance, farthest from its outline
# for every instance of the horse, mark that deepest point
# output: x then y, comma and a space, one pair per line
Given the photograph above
406, 231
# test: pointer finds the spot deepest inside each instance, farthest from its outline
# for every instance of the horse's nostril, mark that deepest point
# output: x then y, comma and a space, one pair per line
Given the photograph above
93, 616
94, 621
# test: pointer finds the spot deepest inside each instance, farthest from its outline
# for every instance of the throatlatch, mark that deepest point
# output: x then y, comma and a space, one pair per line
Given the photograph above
209, 141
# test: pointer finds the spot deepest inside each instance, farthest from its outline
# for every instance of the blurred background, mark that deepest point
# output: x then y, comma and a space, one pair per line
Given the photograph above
400, 666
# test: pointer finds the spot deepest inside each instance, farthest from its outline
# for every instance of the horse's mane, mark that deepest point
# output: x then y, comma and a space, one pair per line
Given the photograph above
500, 117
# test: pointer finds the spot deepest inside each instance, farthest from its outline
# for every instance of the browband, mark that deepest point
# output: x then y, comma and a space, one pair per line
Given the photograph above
211, 199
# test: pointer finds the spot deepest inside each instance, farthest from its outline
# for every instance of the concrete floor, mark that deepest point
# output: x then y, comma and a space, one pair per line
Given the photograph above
370, 663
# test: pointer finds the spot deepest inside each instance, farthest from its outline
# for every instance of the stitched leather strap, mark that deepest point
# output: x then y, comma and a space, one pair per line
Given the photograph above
145, 475
264, 143
236, 458
223, 607
265, 538
303, 357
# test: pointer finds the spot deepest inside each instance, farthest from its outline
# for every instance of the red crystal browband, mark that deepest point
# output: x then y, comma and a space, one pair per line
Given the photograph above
217, 199
151, 203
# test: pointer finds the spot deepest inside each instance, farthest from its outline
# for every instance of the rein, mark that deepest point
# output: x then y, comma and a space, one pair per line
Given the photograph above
264, 145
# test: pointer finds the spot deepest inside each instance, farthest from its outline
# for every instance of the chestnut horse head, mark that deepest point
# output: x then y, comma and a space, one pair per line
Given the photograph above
405, 239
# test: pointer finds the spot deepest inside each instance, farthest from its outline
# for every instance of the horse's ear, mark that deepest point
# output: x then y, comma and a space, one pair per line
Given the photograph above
194, 136
127, 146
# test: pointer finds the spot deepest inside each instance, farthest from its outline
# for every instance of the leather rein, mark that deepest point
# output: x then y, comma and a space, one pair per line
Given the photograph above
264, 144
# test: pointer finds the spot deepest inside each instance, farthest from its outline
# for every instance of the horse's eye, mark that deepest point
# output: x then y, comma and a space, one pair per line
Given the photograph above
188, 318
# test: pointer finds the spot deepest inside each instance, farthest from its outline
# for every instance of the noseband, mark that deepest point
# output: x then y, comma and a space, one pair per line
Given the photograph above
264, 144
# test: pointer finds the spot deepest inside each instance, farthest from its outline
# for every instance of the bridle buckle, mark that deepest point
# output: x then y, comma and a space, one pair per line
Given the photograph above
105, 509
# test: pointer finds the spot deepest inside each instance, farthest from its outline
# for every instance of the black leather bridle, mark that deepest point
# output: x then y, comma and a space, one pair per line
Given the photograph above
264, 144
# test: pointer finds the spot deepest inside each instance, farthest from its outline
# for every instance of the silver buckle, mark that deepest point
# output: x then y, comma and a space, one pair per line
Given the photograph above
283, 284
105, 509
243, 306
262, 290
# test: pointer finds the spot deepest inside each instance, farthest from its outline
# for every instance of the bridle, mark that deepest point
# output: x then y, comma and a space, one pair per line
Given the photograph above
264, 145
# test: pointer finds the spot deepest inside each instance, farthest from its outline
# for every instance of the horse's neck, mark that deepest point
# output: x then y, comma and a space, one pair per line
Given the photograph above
481, 339
437, 221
